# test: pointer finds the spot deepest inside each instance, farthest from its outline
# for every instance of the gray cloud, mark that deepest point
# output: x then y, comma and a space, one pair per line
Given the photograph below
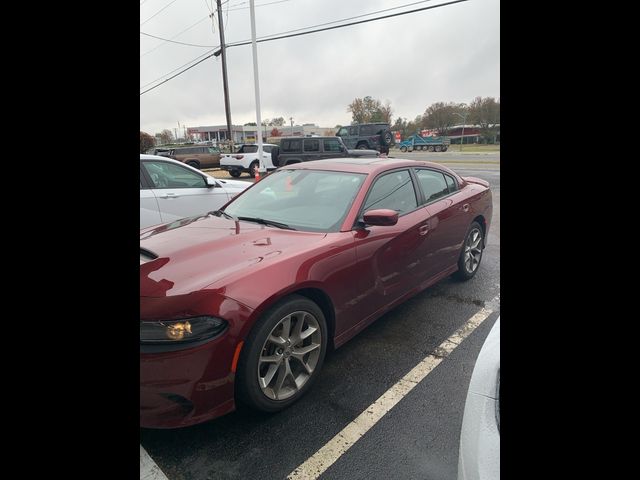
446, 54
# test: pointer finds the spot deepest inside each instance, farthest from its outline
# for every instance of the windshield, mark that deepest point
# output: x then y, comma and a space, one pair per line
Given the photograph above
307, 200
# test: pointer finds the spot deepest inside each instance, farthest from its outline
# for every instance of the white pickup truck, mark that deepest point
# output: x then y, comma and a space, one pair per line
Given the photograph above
246, 159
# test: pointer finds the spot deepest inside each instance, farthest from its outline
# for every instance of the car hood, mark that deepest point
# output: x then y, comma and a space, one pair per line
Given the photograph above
362, 153
235, 184
197, 252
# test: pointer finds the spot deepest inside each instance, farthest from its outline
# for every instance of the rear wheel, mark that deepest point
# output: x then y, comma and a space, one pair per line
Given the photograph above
252, 169
438, 148
235, 173
471, 253
283, 355
362, 146
432, 148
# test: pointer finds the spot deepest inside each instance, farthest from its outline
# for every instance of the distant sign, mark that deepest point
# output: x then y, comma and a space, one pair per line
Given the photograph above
398, 136
428, 133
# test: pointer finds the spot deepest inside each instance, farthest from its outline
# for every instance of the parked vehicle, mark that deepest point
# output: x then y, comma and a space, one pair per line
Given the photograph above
246, 159
197, 156
304, 149
241, 305
163, 152
479, 455
431, 144
373, 136
171, 190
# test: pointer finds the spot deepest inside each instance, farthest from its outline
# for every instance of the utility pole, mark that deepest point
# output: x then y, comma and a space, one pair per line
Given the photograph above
254, 47
223, 50
291, 118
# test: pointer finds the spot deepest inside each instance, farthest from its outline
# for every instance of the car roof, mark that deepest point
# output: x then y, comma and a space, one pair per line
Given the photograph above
144, 156
365, 165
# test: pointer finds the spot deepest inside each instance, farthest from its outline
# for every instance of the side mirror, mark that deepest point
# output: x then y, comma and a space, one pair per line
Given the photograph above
211, 182
382, 217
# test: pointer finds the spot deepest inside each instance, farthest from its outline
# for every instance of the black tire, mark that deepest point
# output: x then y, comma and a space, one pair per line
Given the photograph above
193, 163
235, 173
438, 148
259, 345
386, 138
467, 267
403, 149
432, 148
444, 149
362, 146
252, 169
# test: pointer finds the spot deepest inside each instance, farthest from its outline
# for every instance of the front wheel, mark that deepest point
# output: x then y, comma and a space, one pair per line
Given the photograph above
403, 149
235, 173
283, 355
471, 253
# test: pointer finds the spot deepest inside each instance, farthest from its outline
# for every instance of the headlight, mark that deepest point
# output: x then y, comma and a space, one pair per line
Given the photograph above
180, 331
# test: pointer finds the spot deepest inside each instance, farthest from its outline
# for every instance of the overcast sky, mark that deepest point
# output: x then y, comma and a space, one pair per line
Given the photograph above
449, 54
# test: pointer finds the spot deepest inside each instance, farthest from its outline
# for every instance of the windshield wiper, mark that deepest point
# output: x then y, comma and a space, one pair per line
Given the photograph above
217, 213
267, 222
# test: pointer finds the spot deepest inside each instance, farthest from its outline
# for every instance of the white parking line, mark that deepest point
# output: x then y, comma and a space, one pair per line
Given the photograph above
320, 461
149, 470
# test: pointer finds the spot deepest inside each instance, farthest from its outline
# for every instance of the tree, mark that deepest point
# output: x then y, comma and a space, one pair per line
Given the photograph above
277, 122
251, 124
166, 136
369, 110
401, 126
442, 116
485, 112
146, 141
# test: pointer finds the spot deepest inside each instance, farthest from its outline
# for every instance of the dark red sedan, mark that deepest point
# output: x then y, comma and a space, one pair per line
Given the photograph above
241, 304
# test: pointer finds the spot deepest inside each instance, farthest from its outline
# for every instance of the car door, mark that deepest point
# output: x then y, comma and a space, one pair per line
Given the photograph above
182, 192
149, 208
388, 255
447, 220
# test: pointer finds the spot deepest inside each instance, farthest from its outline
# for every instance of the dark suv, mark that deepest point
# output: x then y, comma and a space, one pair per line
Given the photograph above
305, 149
200, 156
374, 136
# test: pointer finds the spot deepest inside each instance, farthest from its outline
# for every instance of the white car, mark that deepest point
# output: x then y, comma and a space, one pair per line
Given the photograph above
479, 456
246, 159
171, 190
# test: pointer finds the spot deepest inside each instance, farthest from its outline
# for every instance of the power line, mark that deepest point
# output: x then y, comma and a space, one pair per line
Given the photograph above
237, 44
178, 68
179, 73
176, 35
247, 42
260, 5
173, 41
173, 1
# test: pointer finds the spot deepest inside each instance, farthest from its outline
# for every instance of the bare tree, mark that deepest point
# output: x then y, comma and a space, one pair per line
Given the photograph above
166, 136
442, 116
146, 141
368, 110
485, 112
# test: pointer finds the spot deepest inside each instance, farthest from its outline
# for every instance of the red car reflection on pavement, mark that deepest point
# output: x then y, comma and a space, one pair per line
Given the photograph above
242, 304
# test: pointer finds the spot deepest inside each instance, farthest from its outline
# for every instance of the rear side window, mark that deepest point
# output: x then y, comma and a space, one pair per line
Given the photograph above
311, 145
332, 145
291, 145
393, 191
267, 148
433, 184
368, 129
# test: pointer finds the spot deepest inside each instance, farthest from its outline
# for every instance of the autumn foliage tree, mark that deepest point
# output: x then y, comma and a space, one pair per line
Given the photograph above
369, 110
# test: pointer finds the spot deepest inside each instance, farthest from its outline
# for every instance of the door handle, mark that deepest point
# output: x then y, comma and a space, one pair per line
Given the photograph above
169, 195
424, 229
465, 207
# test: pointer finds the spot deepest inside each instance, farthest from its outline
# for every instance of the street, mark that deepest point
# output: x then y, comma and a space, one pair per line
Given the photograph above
416, 439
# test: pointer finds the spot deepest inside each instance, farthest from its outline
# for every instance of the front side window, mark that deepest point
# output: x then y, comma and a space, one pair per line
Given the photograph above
311, 145
394, 191
332, 145
433, 184
353, 131
343, 132
167, 175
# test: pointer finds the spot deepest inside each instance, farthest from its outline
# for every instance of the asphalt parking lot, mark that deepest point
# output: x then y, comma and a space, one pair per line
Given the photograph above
417, 438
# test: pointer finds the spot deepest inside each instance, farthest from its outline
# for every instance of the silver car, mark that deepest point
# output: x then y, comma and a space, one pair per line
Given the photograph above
479, 456
171, 190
